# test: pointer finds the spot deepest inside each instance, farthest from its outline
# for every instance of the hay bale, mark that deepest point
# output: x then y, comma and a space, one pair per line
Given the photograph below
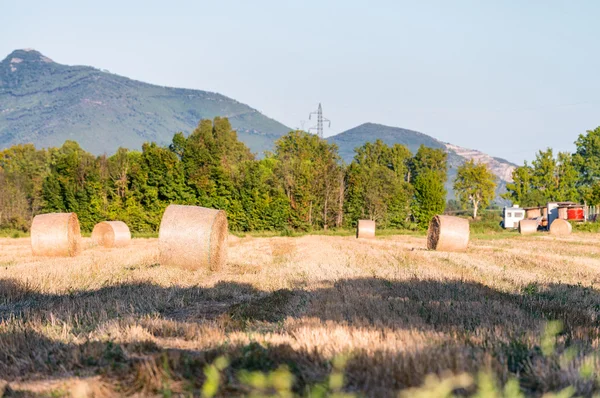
448, 233
562, 213
365, 229
528, 227
111, 234
193, 237
533, 213
56, 234
560, 227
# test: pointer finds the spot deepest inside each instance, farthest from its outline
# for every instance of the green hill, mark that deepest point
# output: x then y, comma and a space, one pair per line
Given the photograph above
46, 103
358, 136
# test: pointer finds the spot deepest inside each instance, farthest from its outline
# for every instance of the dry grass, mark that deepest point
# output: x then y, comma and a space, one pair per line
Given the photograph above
114, 322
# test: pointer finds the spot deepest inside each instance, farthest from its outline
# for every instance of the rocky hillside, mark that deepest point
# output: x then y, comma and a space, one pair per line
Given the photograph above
501, 168
46, 103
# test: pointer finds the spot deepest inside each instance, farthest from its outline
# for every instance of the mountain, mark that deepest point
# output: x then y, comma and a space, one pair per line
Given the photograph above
46, 103
369, 132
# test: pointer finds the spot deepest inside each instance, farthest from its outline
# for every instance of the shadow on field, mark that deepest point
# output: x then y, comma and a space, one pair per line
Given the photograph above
482, 325
409, 304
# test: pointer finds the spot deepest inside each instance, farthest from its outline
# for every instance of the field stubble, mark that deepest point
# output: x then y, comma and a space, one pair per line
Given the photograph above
112, 321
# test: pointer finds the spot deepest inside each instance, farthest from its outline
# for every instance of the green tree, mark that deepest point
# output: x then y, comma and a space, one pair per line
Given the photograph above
546, 180
263, 200
377, 187
520, 190
475, 184
75, 184
544, 177
429, 159
23, 170
309, 171
429, 197
567, 177
213, 159
586, 159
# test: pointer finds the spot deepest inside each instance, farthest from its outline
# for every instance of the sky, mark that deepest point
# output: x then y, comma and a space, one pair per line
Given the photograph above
505, 77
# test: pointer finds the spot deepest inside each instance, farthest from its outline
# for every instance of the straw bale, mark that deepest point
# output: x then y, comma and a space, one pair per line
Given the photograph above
193, 237
562, 213
528, 227
365, 229
533, 213
560, 227
56, 234
111, 234
448, 233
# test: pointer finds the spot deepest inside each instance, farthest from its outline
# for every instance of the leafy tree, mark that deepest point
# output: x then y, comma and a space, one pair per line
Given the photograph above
23, 170
14, 208
74, 184
263, 200
376, 185
521, 190
546, 180
544, 176
430, 159
308, 169
475, 184
567, 177
586, 159
213, 158
429, 198
302, 184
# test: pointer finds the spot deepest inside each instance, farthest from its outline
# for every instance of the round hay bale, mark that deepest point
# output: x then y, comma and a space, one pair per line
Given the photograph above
365, 229
448, 233
528, 227
56, 234
193, 237
111, 234
560, 227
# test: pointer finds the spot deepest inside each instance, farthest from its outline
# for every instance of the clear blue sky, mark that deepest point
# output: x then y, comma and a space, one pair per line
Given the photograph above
505, 77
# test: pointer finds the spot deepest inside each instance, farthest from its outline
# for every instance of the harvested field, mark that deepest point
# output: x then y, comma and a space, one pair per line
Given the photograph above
114, 322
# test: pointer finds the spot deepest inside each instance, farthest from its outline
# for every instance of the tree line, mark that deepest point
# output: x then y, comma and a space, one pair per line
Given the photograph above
563, 177
302, 184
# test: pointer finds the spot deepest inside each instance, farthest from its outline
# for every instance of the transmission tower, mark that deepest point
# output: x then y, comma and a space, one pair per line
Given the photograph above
320, 120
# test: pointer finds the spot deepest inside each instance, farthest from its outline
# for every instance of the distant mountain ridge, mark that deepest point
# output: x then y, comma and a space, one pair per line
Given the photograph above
369, 132
46, 103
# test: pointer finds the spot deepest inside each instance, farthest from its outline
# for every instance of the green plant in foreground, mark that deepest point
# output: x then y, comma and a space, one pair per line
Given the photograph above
280, 382
436, 387
277, 383
553, 329
335, 383
213, 377
485, 385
